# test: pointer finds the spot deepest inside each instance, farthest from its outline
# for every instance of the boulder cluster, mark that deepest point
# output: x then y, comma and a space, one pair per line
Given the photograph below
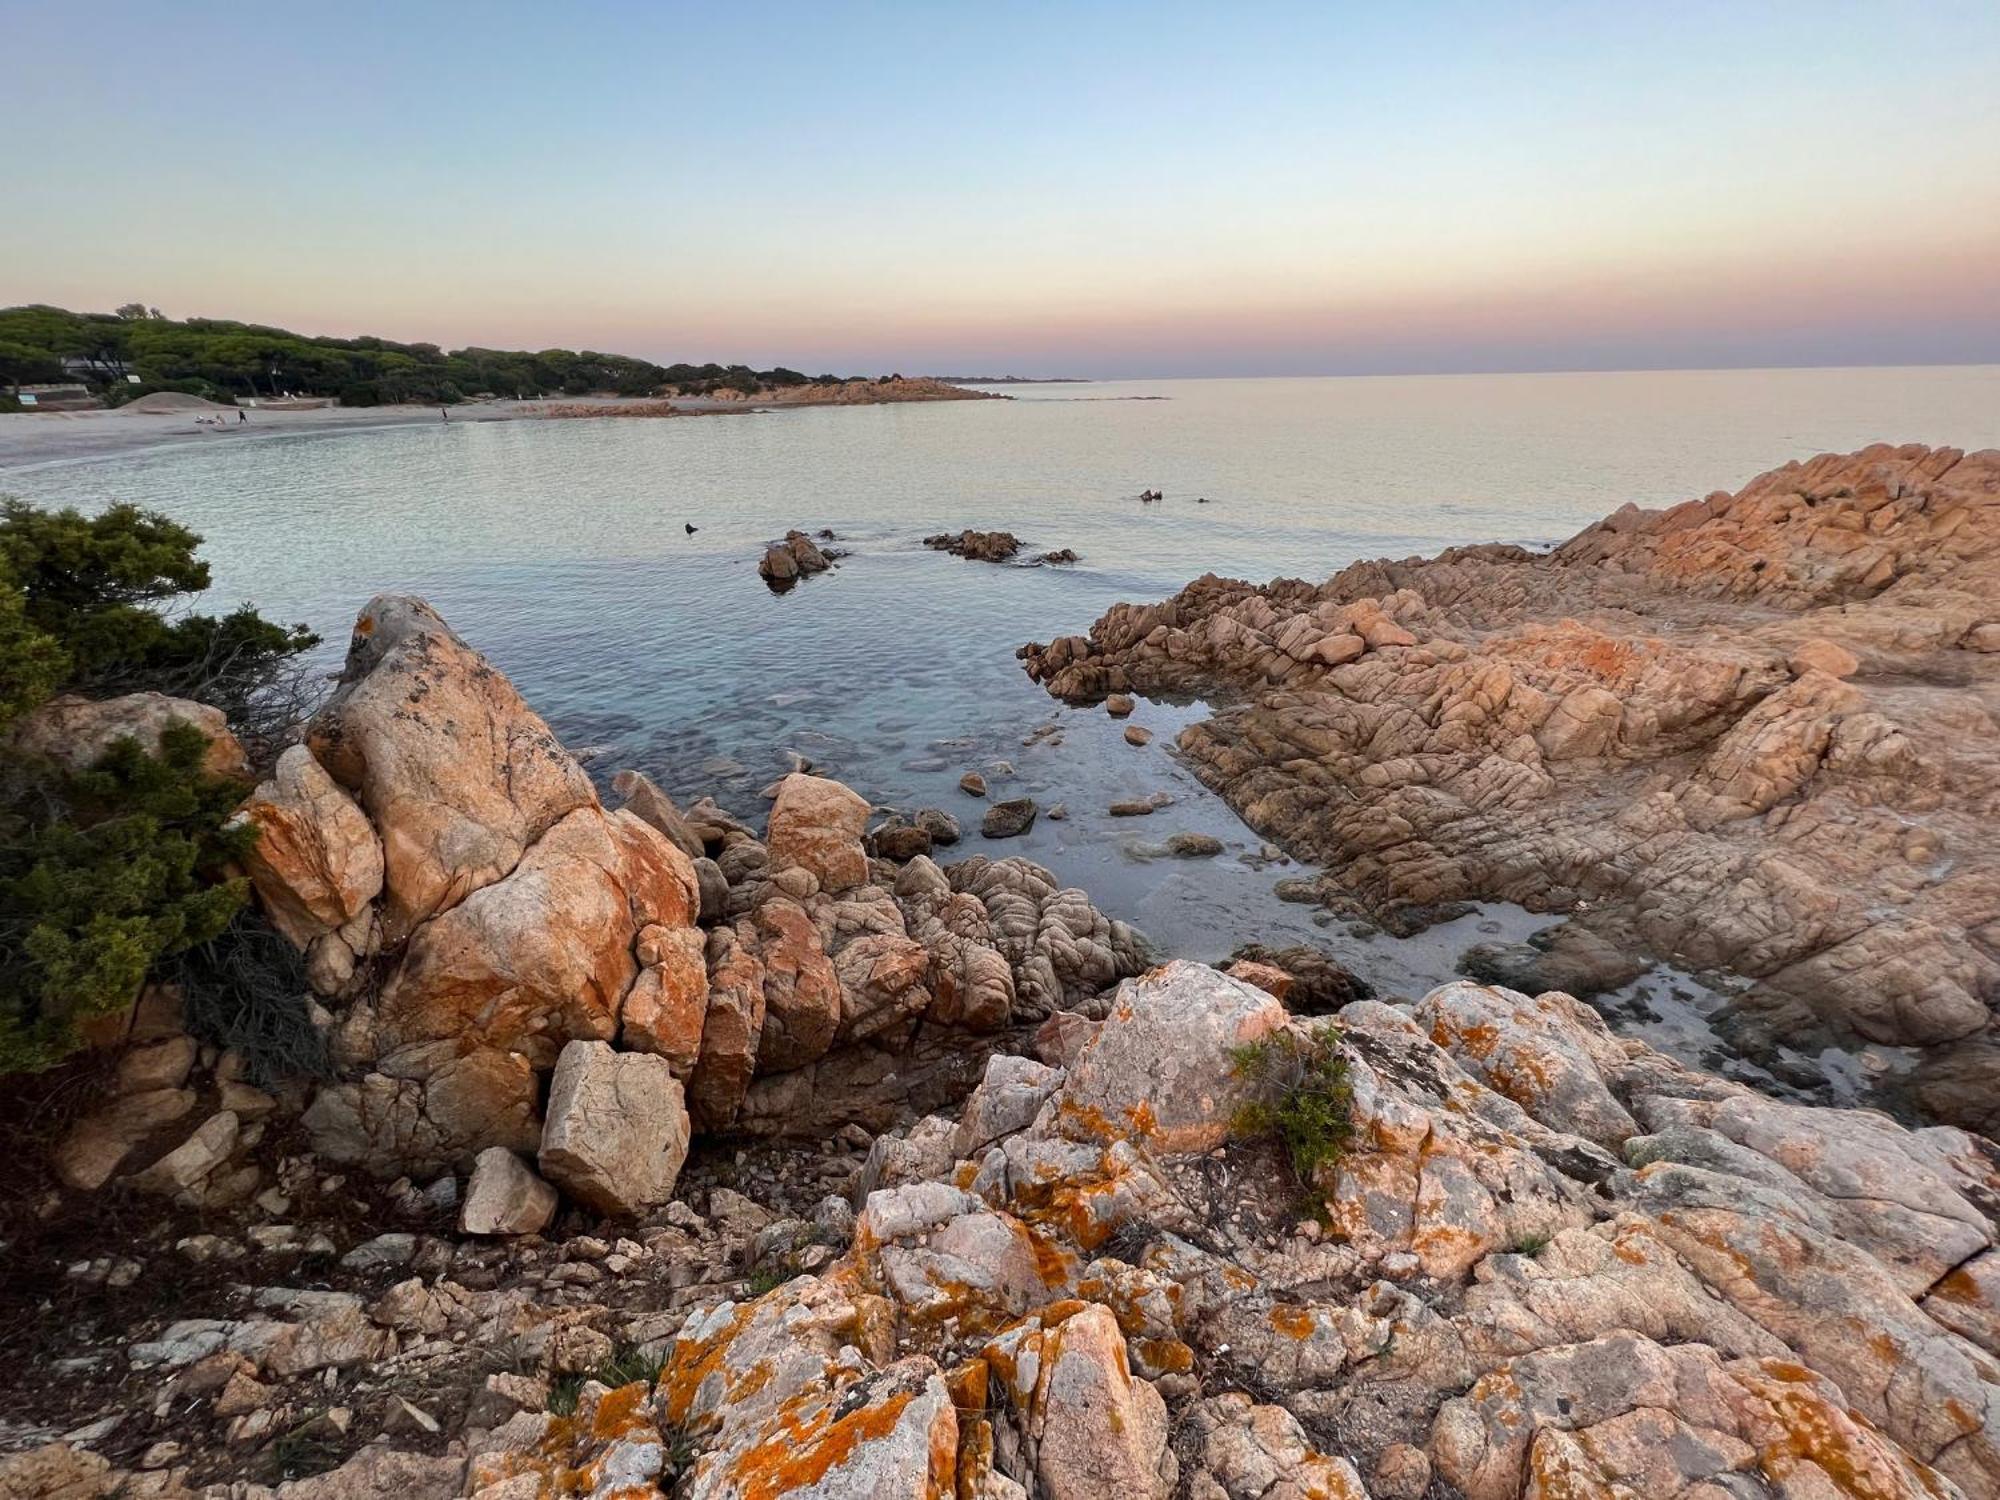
798, 556
1752, 733
1547, 1261
504, 968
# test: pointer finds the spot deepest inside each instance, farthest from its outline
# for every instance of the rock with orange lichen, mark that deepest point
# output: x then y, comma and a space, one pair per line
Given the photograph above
891, 1435
1160, 1070
1440, 1166
1548, 1053
1622, 1414
1839, 1309
1586, 1283
1693, 728
1087, 1427
1918, 1202
1079, 1190
1252, 1452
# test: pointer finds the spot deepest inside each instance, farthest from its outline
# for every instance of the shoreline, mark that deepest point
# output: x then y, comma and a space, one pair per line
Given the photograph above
35, 440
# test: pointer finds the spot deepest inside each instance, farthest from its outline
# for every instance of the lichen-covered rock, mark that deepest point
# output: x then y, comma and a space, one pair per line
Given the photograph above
1093, 1428
1250, 1452
1161, 1070
1544, 1053
1623, 1414
1662, 726
617, 1129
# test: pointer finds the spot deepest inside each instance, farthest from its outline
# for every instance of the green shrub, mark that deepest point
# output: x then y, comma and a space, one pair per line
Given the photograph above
102, 874
108, 872
1300, 1095
96, 585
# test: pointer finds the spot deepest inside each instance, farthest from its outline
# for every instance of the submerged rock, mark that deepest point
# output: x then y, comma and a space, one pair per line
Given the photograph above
1010, 819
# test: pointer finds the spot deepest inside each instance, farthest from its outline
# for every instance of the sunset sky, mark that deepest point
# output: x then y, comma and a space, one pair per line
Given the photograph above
1097, 189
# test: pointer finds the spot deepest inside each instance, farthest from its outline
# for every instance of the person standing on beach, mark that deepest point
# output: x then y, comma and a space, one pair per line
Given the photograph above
444, 413
241, 416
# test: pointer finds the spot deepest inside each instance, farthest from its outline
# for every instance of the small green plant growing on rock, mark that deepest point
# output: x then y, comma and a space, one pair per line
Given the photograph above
1300, 1094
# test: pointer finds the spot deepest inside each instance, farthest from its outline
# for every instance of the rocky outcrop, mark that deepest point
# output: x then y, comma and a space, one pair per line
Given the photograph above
471, 913
1545, 1260
798, 556
1753, 732
979, 546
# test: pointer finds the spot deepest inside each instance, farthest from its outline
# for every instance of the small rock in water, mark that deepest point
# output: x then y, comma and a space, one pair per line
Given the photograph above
1194, 846
972, 784
1006, 820
939, 824
1057, 813
1132, 807
1138, 734
1118, 705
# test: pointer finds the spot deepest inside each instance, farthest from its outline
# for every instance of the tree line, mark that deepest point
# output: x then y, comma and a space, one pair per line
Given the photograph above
229, 361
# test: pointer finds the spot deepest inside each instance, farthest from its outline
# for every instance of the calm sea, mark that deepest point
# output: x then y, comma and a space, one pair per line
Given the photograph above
559, 549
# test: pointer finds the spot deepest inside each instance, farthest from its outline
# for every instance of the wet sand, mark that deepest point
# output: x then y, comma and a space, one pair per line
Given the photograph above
31, 438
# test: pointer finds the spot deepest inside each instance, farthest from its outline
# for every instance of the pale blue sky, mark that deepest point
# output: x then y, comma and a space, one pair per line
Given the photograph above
1104, 189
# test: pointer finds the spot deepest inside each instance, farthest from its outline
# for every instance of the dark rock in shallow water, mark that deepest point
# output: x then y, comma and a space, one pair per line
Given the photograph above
1194, 846
1321, 984
939, 824
797, 556
1006, 820
900, 841
1565, 957
980, 546
972, 784
1132, 807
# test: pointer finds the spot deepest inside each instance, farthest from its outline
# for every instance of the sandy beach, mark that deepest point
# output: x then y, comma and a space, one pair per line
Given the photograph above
28, 439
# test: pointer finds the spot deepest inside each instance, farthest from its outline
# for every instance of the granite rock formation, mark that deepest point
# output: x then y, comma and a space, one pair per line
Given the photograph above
1752, 733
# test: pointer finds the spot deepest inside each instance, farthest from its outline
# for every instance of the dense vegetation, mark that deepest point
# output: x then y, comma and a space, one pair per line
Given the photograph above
225, 360
109, 871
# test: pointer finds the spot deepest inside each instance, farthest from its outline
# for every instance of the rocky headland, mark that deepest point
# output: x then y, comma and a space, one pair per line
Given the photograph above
648, 1151
1753, 733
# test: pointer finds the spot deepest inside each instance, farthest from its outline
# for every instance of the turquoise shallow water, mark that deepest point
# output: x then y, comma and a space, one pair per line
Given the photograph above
558, 549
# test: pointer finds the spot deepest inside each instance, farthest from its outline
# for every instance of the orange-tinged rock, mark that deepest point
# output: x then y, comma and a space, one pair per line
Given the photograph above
317, 863
457, 773
816, 826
